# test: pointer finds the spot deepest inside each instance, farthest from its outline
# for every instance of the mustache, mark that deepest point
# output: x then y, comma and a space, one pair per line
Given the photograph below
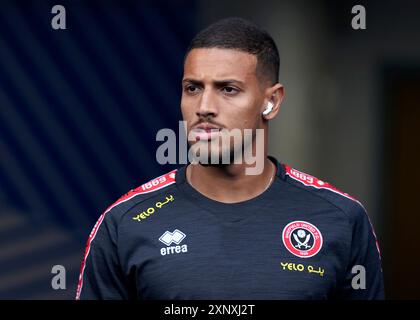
206, 119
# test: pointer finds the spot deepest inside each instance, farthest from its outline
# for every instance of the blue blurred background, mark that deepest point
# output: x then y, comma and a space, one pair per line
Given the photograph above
80, 109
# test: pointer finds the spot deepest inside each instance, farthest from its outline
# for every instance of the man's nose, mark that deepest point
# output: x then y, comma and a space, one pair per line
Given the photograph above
207, 105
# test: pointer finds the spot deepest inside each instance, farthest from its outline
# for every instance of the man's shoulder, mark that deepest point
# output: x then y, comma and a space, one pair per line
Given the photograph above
324, 190
353, 209
143, 193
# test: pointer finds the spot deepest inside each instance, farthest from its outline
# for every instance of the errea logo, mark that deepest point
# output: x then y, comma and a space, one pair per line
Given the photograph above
173, 237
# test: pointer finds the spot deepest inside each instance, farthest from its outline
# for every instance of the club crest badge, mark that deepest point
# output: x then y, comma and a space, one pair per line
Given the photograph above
302, 239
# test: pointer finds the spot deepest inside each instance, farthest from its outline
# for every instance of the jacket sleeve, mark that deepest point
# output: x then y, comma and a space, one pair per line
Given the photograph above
101, 276
363, 279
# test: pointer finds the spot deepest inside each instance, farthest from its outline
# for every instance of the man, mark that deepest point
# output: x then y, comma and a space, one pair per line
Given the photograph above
212, 230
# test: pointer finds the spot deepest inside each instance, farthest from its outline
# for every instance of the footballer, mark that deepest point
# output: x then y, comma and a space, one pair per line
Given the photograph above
212, 230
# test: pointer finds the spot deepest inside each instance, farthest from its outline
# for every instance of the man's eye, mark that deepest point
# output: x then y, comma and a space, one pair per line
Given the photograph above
191, 89
230, 90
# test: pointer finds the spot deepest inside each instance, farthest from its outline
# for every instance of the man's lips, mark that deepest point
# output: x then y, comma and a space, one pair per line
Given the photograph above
205, 131
207, 126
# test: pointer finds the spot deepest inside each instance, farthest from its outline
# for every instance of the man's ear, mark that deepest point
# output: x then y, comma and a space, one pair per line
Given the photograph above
275, 95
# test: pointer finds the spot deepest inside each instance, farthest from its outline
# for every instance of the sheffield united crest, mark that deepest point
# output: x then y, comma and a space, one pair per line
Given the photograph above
302, 239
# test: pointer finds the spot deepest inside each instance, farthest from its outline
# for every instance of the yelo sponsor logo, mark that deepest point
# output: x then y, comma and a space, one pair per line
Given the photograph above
302, 268
143, 215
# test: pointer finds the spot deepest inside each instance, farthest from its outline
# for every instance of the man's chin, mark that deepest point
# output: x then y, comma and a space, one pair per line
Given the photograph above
215, 158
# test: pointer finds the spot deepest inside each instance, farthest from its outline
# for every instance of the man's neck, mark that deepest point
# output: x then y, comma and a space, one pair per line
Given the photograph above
230, 183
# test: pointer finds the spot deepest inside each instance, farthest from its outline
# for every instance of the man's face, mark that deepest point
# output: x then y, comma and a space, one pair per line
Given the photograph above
220, 90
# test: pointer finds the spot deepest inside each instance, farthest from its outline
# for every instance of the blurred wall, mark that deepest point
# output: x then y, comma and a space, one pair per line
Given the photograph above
79, 113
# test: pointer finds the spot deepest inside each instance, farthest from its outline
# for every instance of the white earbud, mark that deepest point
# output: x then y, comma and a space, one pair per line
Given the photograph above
268, 109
